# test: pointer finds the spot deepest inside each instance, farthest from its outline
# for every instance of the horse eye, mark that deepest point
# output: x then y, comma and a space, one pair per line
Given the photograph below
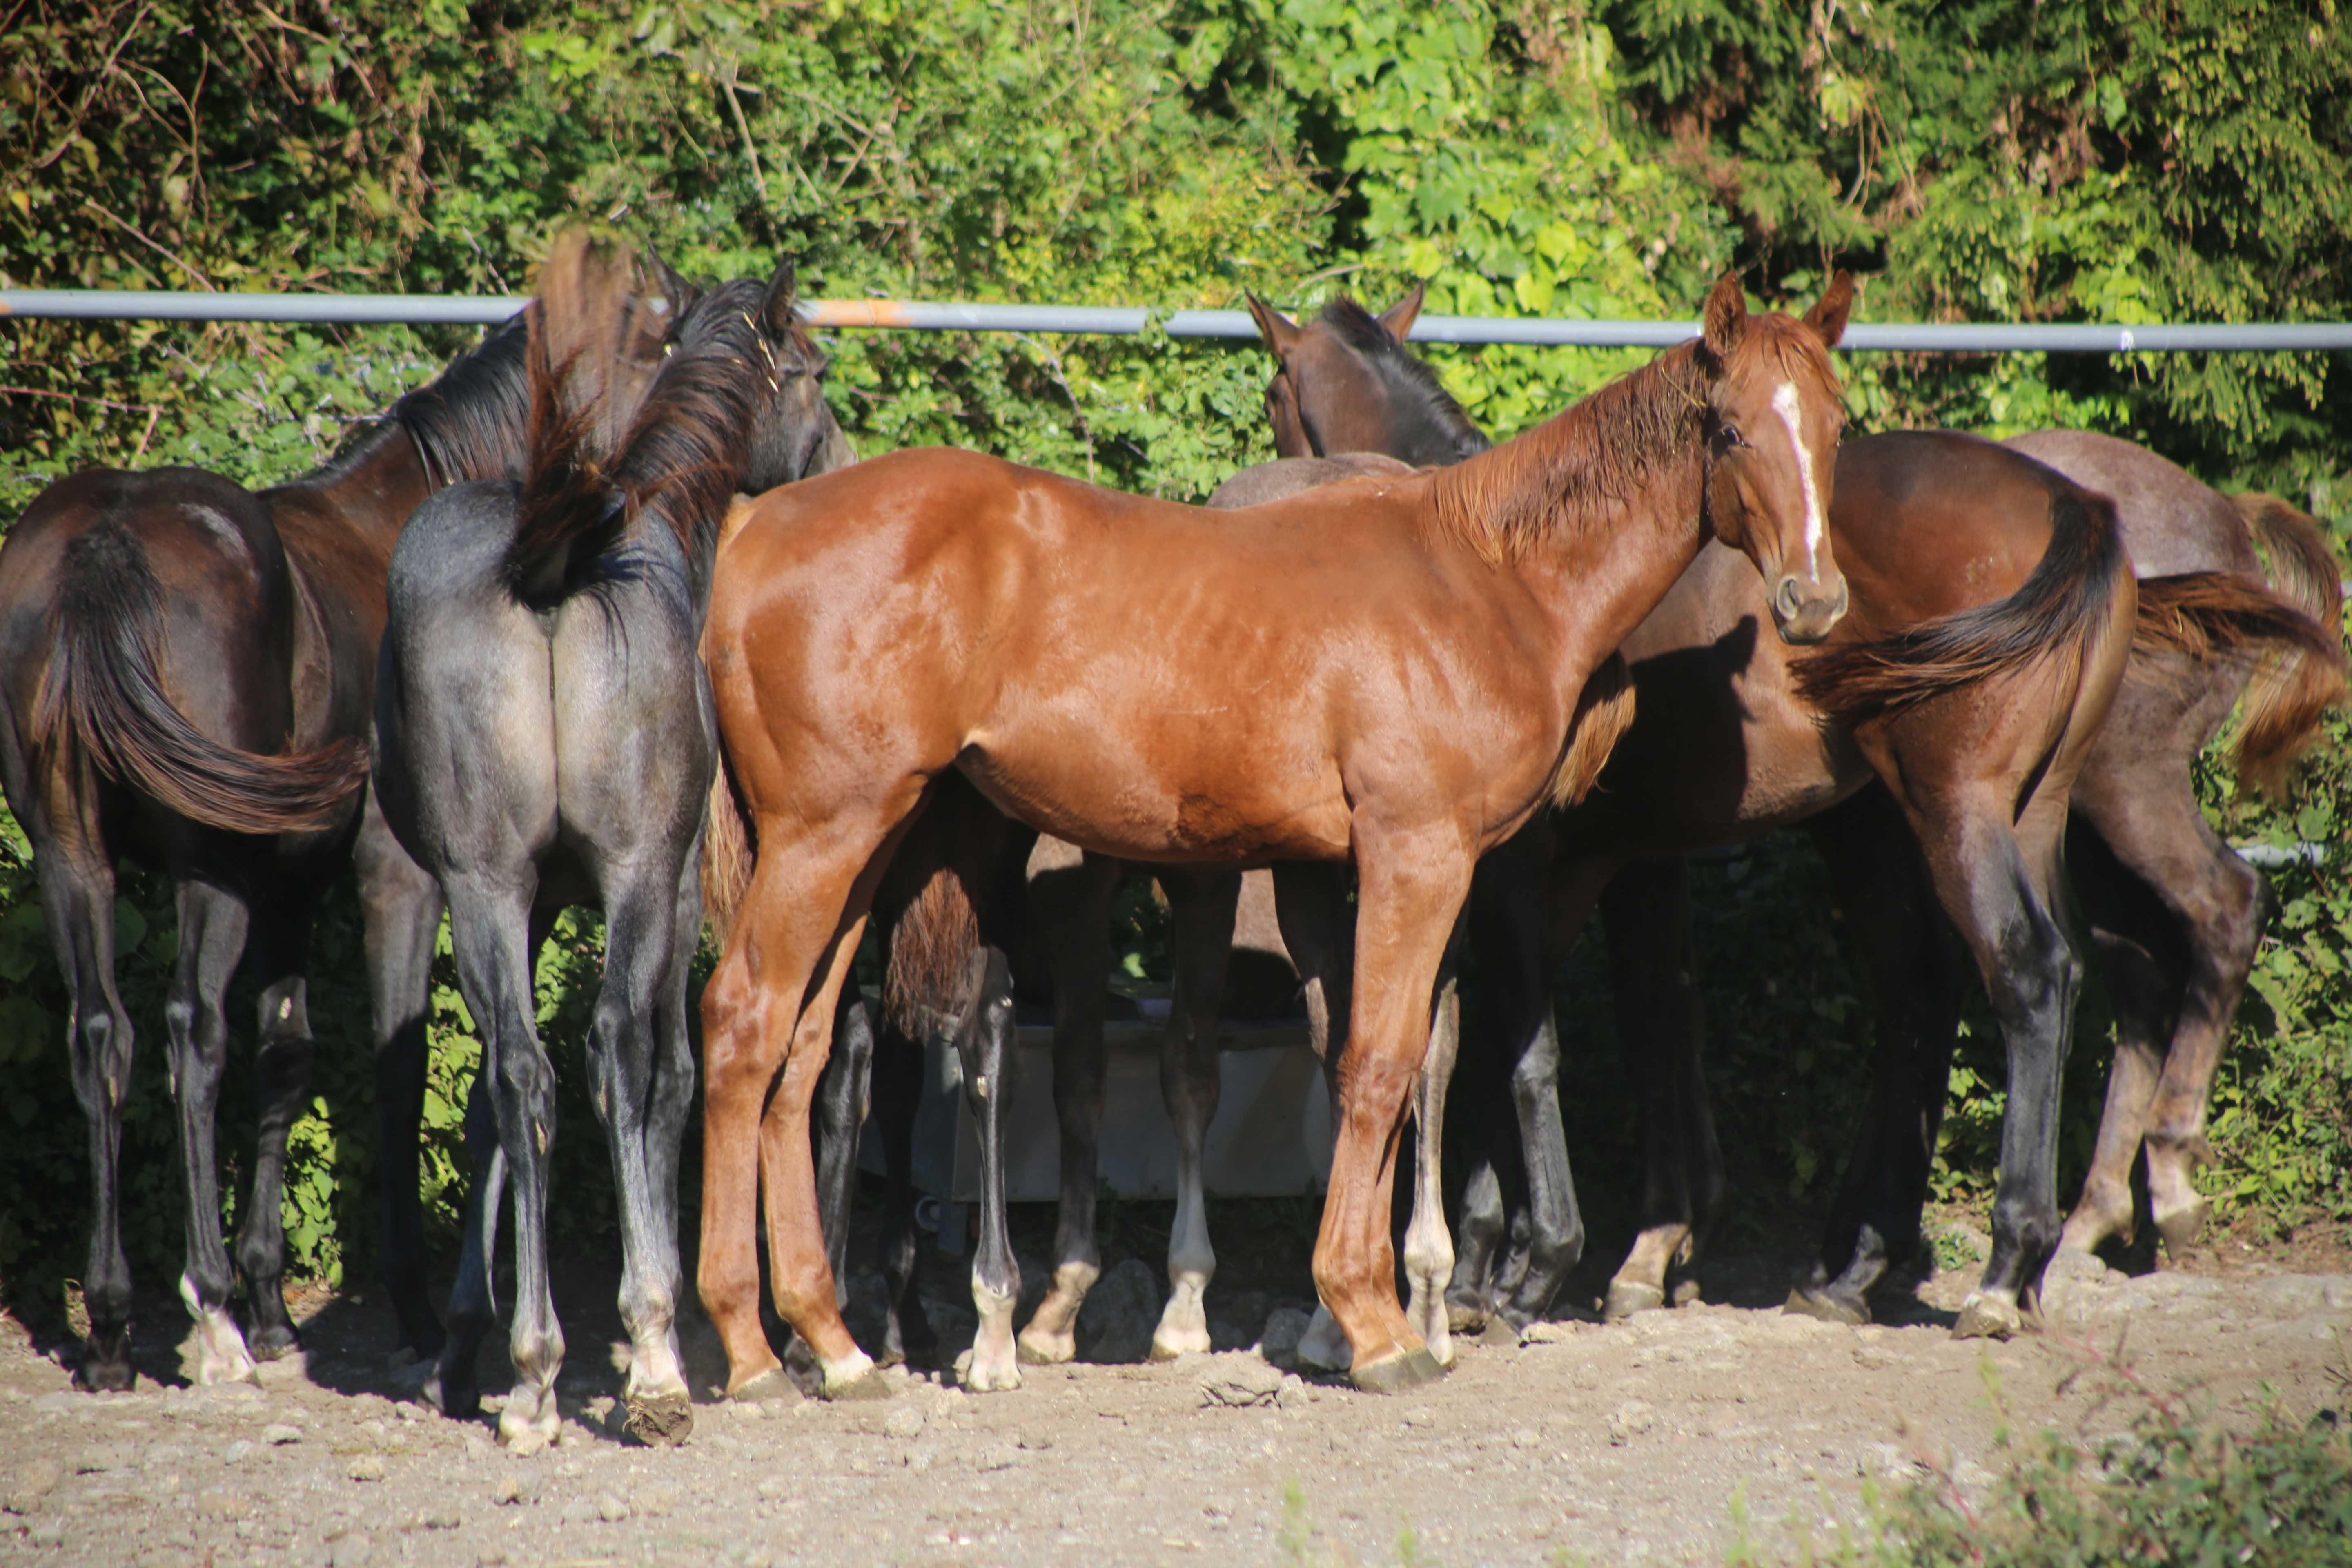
1732, 437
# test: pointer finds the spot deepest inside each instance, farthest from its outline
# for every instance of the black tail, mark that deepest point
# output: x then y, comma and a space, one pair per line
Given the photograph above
103, 694
2060, 609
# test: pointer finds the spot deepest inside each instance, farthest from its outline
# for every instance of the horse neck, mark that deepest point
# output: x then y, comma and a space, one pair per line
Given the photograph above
1600, 509
372, 489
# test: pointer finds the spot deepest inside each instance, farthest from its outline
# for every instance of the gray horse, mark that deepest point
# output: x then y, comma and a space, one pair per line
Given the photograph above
544, 737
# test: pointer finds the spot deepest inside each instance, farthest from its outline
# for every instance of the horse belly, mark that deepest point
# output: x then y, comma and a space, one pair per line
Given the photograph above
1212, 804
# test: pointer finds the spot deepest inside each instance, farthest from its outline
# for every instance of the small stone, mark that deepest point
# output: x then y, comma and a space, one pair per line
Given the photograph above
1421, 1415
349, 1552
1278, 1341
905, 1421
441, 1517
214, 1502
369, 1467
279, 1433
748, 1409
235, 1452
1630, 1420
48, 1532
1004, 1457
35, 1481
1036, 1442
1526, 1438
1239, 1380
657, 1502
508, 1488
1550, 1334
611, 1508
99, 1457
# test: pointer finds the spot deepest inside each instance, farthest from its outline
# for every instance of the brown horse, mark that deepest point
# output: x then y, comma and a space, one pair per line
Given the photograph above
1384, 671
185, 676
1728, 741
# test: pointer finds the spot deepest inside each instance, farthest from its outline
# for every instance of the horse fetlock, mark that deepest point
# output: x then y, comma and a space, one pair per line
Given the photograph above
1051, 1337
1324, 1345
656, 1367
530, 1420
220, 1352
1184, 1322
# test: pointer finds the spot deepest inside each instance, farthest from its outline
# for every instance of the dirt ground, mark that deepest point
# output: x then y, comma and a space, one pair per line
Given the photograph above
1634, 1442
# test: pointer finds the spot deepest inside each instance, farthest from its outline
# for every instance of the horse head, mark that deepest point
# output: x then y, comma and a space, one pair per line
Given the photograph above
1774, 415
1346, 384
793, 433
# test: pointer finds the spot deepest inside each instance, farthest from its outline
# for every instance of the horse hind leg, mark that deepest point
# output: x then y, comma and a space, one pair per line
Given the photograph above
1646, 909
898, 1080
212, 925
1203, 905
77, 903
985, 1042
1428, 1245
2177, 919
843, 1093
1311, 902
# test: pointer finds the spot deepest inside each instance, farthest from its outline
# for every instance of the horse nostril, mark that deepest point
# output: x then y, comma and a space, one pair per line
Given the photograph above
1786, 602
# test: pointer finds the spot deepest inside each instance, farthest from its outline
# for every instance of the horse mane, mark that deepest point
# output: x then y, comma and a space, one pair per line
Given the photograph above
686, 454
1578, 467
472, 421
1405, 373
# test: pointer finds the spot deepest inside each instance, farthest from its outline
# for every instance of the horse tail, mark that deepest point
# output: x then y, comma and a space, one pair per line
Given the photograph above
727, 852
596, 340
930, 900
2302, 671
1604, 711
2062, 609
103, 695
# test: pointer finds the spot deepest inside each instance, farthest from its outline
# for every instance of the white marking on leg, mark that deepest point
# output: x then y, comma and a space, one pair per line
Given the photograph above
1192, 1263
1784, 404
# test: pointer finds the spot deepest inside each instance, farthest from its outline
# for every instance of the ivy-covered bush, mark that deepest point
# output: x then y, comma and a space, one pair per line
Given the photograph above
2040, 159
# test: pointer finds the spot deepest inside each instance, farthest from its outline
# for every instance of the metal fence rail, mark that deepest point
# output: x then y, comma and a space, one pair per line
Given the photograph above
421, 309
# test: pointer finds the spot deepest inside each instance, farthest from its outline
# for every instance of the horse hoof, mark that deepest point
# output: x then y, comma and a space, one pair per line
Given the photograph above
660, 1420
274, 1342
1046, 1350
1984, 1317
457, 1404
2180, 1229
1627, 1296
868, 1384
1167, 1345
1395, 1374
1463, 1318
105, 1377
1829, 1309
773, 1384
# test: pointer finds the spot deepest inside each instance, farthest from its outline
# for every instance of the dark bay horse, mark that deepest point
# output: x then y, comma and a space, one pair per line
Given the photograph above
186, 669
1384, 671
1728, 741
544, 737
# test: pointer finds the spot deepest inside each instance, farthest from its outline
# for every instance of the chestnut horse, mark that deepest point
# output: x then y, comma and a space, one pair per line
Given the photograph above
185, 673
545, 737
1726, 743
1384, 671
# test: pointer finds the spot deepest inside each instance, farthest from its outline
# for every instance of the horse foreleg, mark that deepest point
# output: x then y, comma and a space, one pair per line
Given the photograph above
1412, 889
842, 1094
897, 1078
1203, 905
1070, 895
1892, 915
1428, 1246
453, 1386
401, 910
212, 925
1646, 909
985, 1046
1311, 905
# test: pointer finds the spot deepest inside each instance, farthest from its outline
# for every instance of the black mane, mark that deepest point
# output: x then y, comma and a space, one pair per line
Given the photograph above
472, 421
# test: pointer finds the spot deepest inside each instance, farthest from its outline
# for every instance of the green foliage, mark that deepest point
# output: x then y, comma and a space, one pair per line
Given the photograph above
2179, 1488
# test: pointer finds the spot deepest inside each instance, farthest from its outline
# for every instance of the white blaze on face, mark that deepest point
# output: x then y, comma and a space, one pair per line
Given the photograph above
1784, 404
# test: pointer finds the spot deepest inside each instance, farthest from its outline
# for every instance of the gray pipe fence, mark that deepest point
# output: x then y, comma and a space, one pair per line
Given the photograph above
423, 310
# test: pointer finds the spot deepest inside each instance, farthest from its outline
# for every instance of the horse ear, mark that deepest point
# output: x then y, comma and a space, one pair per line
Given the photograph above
776, 312
680, 293
1828, 317
1279, 332
1725, 317
1398, 318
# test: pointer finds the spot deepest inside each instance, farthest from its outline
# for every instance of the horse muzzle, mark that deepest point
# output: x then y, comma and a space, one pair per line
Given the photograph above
1803, 618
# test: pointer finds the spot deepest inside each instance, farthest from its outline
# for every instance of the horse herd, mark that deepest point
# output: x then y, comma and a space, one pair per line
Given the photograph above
523, 645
